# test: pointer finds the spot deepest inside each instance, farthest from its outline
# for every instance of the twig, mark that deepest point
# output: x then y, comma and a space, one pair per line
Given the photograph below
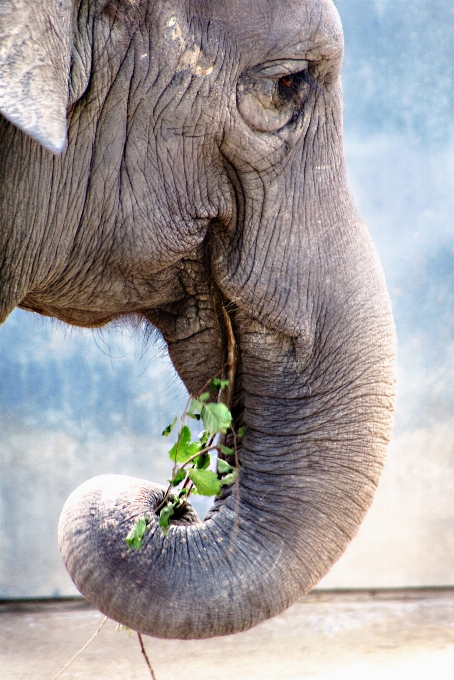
232, 360
189, 460
142, 649
224, 396
81, 650
205, 450
229, 369
237, 495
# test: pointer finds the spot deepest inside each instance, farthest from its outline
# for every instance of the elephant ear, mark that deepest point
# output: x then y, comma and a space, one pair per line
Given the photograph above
35, 50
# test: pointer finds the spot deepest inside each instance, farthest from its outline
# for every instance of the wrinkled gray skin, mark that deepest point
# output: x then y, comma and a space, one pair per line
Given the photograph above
203, 189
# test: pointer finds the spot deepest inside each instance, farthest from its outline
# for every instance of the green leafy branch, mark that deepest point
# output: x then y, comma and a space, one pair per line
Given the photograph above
191, 460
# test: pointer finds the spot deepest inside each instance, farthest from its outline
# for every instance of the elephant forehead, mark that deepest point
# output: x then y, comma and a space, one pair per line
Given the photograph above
282, 28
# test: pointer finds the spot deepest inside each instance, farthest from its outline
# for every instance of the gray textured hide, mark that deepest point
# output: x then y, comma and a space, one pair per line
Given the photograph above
34, 67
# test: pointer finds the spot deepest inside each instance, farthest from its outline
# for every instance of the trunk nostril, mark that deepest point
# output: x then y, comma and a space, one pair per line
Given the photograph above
184, 515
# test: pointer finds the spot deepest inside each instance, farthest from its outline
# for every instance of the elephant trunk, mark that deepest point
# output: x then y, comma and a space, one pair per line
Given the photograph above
317, 412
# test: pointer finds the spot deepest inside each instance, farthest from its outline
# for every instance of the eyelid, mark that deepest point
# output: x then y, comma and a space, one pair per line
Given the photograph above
280, 68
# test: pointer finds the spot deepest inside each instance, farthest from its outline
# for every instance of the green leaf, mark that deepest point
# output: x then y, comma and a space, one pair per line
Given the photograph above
194, 448
216, 418
217, 384
204, 437
225, 450
229, 479
223, 467
180, 474
180, 445
194, 409
203, 461
135, 537
204, 397
169, 428
164, 517
183, 448
205, 481
241, 432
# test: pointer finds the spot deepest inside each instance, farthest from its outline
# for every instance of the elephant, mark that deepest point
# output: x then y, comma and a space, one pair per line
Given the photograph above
178, 164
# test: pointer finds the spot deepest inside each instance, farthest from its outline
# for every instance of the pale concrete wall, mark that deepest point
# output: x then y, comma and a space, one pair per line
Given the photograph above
407, 538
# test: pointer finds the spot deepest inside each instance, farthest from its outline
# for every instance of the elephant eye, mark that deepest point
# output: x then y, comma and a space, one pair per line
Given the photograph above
269, 95
293, 82
288, 81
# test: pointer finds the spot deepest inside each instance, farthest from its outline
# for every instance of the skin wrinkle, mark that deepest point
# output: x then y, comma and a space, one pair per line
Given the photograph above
307, 427
159, 107
299, 462
27, 267
274, 527
339, 475
250, 557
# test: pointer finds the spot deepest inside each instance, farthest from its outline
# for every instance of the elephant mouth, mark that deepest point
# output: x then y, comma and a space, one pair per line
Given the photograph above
83, 318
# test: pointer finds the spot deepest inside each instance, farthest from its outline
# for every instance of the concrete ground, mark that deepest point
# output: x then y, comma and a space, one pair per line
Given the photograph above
381, 635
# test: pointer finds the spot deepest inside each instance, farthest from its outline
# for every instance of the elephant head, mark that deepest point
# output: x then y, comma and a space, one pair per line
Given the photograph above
181, 162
